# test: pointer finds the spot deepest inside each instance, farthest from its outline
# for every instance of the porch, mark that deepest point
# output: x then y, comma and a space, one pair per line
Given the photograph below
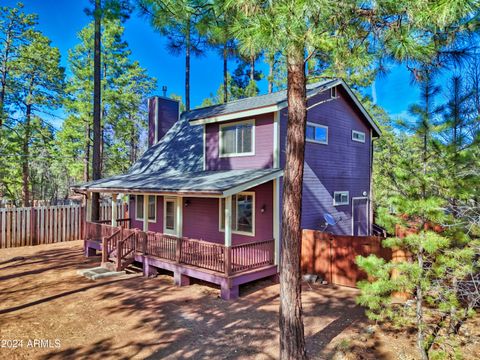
227, 266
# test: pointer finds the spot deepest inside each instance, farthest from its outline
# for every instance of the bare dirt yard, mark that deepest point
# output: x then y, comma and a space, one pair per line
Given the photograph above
47, 311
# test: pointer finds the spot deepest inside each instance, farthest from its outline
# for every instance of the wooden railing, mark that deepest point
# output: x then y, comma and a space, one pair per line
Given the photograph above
250, 256
126, 249
123, 223
198, 253
162, 245
96, 231
202, 254
110, 244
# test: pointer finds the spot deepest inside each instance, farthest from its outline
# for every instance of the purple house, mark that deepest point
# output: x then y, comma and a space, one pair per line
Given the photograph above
206, 195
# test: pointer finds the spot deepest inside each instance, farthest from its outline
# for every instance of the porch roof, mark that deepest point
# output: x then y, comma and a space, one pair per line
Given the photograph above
215, 183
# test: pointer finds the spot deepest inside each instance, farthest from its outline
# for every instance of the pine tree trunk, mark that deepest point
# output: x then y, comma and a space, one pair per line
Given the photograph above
292, 339
271, 64
97, 131
252, 68
3, 89
419, 312
187, 67
25, 159
225, 73
86, 157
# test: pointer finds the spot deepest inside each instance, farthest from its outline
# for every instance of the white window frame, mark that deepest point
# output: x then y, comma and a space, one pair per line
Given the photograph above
220, 140
222, 214
333, 92
136, 208
317, 126
341, 193
175, 200
358, 133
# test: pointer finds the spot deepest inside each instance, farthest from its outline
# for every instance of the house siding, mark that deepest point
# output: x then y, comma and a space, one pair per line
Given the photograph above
342, 165
201, 218
263, 157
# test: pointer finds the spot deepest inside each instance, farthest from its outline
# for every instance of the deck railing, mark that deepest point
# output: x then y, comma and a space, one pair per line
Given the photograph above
198, 253
123, 223
253, 255
202, 254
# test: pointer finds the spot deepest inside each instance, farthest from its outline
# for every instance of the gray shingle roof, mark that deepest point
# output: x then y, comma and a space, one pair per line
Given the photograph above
213, 182
252, 102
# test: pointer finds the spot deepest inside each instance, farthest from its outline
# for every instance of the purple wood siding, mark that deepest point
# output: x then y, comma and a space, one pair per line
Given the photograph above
157, 226
201, 218
263, 157
342, 165
167, 111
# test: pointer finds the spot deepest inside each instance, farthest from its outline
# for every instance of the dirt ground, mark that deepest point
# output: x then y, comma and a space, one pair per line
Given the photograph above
47, 311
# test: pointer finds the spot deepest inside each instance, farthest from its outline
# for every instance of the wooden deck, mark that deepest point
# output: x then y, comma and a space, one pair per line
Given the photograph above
228, 267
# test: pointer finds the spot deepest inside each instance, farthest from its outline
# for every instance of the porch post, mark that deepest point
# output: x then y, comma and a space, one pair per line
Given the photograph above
114, 209
89, 207
228, 221
145, 212
180, 216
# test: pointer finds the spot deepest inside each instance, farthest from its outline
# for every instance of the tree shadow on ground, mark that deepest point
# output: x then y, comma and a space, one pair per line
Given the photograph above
190, 322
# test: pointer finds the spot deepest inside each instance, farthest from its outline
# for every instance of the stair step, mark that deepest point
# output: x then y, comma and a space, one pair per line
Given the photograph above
99, 273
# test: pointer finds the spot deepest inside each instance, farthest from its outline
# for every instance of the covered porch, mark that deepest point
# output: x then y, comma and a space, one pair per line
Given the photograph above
227, 237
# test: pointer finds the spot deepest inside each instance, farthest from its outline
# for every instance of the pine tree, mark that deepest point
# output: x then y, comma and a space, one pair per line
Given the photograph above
403, 31
125, 87
181, 21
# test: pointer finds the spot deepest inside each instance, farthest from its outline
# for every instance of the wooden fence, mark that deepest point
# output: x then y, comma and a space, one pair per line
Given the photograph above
46, 224
333, 256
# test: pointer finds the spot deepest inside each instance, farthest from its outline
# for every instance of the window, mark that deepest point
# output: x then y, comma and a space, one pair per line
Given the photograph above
358, 136
237, 139
317, 133
333, 92
170, 216
243, 213
341, 198
152, 208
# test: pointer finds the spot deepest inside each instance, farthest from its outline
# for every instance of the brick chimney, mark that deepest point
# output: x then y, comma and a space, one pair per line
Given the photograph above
163, 112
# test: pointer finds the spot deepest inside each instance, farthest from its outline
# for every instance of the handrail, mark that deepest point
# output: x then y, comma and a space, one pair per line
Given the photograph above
107, 247
123, 249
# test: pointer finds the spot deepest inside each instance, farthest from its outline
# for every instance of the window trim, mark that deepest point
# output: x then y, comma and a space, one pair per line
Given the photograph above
359, 133
333, 92
316, 141
251, 193
136, 208
341, 193
175, 200
220, 137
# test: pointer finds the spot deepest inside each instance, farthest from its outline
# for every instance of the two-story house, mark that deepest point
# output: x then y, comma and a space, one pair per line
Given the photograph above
212, 177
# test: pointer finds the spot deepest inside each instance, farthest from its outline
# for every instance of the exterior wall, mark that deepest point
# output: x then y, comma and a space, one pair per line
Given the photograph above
263, 157
342, 165
164, 112
152, 226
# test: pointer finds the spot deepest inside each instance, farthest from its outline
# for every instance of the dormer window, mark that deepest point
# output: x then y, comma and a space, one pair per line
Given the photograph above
237, 139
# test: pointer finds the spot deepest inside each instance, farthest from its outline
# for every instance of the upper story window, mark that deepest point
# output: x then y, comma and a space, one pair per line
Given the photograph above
341, 198
237, 139
358, 136
317, 133
152, 208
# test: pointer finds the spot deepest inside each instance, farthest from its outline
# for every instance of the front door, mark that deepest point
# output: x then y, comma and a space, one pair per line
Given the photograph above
360, 216
170, 220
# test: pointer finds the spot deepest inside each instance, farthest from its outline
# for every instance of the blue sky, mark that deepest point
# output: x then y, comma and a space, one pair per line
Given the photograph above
62, 20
